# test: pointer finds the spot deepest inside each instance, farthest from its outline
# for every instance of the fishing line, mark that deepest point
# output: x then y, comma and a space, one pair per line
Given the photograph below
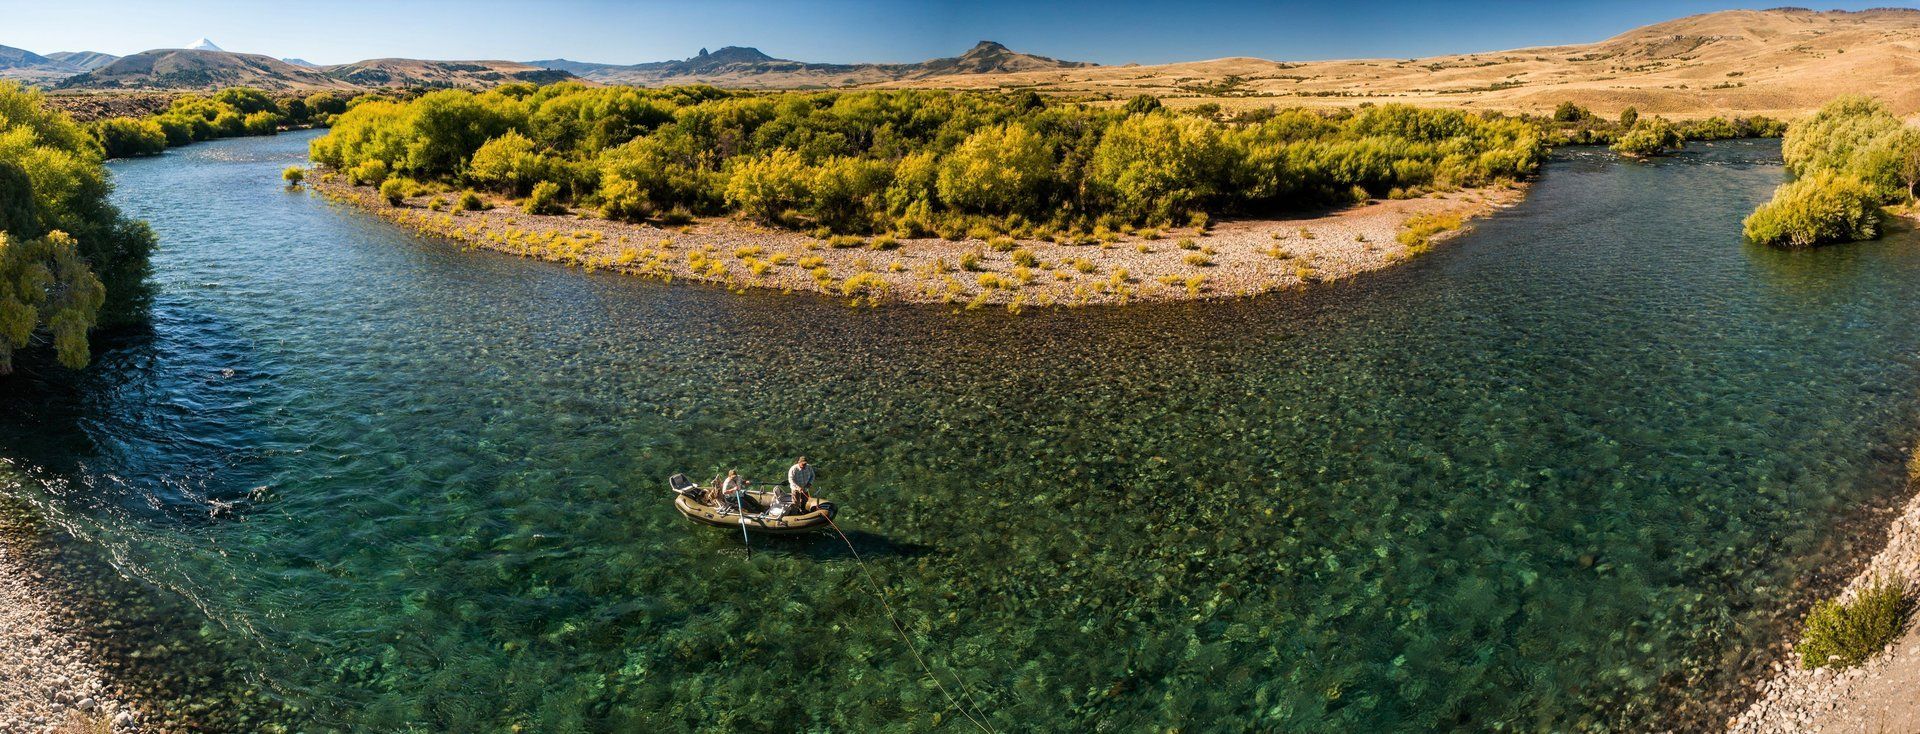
881, 592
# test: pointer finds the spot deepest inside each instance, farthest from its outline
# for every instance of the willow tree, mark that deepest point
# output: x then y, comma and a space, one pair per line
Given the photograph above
68, 259
44, 285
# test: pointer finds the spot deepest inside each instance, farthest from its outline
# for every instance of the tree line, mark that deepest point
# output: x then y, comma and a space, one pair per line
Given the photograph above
912, 162
1846, 162
68, 260
1634, 135
228, 113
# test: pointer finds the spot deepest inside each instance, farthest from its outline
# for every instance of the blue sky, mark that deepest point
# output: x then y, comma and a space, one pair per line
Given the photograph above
1114, 32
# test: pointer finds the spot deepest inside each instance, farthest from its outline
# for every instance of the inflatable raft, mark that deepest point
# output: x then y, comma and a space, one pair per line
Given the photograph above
754, 513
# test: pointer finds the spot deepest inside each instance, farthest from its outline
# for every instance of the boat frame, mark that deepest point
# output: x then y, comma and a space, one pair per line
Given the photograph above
820, 517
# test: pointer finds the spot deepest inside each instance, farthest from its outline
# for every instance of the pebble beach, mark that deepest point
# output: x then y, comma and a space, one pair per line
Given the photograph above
1875, 697
50, 678
1230, 259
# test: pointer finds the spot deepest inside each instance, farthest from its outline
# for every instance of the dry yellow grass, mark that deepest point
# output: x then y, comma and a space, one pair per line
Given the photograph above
1741, 62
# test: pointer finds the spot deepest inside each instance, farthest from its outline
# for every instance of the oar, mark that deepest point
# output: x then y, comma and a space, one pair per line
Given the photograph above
740, 503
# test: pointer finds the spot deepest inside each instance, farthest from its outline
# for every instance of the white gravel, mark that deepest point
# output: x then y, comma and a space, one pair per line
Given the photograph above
48, 682
1880, 696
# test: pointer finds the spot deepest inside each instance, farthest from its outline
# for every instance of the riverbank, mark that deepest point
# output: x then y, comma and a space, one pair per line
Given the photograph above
1234, 258
1877, 696
51, 681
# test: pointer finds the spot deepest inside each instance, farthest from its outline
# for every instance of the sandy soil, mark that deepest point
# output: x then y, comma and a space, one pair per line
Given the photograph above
1880, 696
1235, 258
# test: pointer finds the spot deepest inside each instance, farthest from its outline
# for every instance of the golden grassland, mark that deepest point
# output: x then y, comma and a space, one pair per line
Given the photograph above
1781, 63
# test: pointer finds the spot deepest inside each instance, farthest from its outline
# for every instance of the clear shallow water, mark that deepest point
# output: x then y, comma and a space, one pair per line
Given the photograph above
1561, 474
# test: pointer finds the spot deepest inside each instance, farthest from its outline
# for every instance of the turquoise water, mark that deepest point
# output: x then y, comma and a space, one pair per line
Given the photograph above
1566, 473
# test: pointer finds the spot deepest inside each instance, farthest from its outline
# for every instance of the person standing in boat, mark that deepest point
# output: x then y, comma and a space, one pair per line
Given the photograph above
800, 483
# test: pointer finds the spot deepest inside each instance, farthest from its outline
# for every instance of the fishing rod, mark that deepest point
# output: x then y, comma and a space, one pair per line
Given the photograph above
740, 503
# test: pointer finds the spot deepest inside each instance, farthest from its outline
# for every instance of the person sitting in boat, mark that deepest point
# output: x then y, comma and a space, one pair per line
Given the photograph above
730, 489
799, 484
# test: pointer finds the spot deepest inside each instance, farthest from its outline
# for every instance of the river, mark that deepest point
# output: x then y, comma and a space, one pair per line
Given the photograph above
1568, 472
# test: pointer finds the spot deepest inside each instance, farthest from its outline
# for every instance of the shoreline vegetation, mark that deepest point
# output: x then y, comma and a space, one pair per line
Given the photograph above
919, 196
69, 261
911, 164
1868, 688
935, 197
1233, 258
228, 113
1849, 166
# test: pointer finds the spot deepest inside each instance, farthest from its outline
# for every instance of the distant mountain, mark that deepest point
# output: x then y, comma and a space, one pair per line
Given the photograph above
417, 73
576, 68
1782, 62
301, 62
83, 60
740, 66
19, 58
987, 57
31, 67
179, 68
203, 45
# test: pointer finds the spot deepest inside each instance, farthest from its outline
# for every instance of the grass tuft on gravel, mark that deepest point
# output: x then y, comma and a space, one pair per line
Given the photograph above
1845, 633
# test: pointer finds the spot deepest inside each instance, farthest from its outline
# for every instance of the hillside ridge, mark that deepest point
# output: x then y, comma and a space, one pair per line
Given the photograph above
1779, 62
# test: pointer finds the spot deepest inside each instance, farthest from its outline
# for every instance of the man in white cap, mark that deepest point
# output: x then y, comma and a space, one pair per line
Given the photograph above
800, 482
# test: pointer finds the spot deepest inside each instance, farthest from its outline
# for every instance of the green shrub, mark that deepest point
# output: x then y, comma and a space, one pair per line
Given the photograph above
122, 137
545, 199
509, 164
68, 260
1142, 104
293, 175
1849, 157
1648, 138
368, 173
260, 123
396, 190
869, 286
761, 188
676, 216
1851, 134
999, 170
470, 202
1846, 633
910, 161
1822, 208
